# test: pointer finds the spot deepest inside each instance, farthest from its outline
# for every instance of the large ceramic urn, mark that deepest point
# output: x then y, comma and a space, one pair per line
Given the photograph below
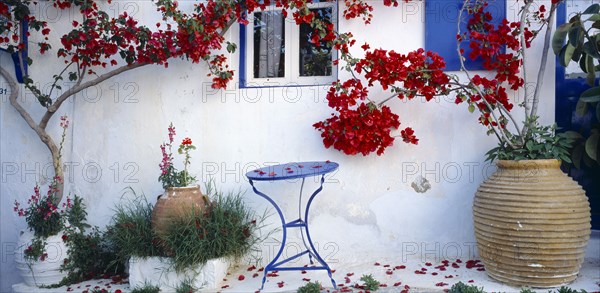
532, 224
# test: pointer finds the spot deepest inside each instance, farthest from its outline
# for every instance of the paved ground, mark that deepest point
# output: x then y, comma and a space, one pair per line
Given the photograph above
395, 276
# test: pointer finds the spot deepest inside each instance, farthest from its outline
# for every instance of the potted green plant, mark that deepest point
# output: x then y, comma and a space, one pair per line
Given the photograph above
181, 194
42, 245
532, 221
196, 247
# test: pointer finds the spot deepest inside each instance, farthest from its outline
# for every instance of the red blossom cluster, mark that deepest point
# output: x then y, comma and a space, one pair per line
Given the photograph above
491, 43
360, 8
365, 127
100, 40
358, 127
420, 73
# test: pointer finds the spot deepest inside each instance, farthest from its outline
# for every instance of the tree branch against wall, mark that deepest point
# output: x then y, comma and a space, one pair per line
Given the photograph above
99, 47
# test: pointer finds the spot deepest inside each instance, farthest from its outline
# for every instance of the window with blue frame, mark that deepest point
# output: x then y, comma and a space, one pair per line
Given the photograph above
275, 51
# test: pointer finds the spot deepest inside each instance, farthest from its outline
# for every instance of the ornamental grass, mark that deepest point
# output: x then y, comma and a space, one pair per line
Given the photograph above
227, 228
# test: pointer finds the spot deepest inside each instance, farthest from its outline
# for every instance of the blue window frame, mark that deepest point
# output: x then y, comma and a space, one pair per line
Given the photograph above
20, 57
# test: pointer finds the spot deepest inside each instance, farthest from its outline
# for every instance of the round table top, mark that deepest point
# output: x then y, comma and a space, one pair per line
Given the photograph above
292, 170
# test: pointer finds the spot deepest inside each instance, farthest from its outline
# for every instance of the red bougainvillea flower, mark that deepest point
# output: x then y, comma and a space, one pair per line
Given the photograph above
408, 136
187, 141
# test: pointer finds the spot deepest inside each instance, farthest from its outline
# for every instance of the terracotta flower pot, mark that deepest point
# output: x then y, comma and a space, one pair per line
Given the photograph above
532, 224
175, 203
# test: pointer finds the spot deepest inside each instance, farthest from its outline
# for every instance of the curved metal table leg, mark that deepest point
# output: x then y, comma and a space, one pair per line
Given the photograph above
272, 263
312, 246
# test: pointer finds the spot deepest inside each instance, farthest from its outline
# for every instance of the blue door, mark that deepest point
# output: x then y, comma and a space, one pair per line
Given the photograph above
569, 87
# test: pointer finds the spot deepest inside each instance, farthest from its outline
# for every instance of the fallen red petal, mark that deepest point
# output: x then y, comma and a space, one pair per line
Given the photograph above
241, 277
397, 284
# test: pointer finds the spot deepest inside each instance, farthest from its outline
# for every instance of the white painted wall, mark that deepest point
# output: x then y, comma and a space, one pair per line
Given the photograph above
367, 210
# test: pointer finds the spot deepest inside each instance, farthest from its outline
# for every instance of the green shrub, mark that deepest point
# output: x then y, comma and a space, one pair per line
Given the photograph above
564, 289
461, 287
186, 287
131, 230
90, 255
225, 229
370, 283
147, 288
310, 287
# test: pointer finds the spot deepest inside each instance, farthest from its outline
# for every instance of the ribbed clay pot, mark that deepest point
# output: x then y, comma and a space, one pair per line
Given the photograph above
175, 203
532, 224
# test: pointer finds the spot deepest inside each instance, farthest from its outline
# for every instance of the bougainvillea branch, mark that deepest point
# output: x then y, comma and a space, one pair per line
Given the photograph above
501, 49
99, 47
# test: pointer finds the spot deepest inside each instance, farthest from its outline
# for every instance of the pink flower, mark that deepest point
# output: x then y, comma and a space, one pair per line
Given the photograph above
64, 122
171, 132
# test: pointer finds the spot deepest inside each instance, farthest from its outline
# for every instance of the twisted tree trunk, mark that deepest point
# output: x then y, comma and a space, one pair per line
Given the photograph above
40, 128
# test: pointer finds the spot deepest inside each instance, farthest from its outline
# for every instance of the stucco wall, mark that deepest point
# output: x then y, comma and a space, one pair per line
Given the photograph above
367, 210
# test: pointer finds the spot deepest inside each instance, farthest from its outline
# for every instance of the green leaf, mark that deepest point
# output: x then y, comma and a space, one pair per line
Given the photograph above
566, 54
581, 108
577, 54
471, 108
595, 17
583, 62
231, 47
577, 155
576, 34
591, 95
573, 135
587, 160
590, 49
593, 9
591, 146
591, 70
558, 40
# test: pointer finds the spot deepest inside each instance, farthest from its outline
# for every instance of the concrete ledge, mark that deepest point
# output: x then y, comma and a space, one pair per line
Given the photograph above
159, 271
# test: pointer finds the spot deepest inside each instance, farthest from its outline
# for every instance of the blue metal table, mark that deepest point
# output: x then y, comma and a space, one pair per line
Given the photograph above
291, 171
